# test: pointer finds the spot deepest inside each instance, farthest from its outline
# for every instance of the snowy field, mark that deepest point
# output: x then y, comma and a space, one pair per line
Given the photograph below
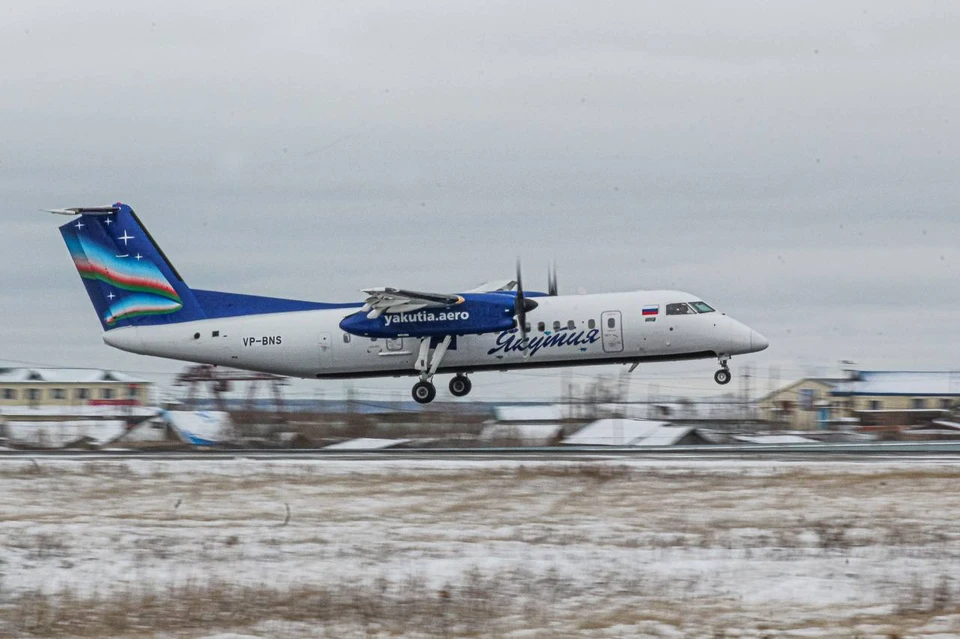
422, 548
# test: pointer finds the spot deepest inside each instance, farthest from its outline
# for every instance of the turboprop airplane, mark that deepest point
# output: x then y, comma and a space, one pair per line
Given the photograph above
145, 307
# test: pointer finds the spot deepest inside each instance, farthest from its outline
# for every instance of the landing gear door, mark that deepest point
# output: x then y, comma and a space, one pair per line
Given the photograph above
611, 332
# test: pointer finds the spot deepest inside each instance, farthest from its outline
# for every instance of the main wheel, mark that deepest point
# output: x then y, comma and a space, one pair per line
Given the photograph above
424, 392
722, 376
460, 386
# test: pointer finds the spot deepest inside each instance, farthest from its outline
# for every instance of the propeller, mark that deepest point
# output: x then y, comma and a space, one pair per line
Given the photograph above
522, 305
552, 280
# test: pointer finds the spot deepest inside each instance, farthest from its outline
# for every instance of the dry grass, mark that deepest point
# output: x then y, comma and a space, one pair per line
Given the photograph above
578, 548
479, 603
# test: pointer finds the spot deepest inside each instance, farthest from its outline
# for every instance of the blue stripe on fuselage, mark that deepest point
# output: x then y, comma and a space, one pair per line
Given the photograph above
217, 304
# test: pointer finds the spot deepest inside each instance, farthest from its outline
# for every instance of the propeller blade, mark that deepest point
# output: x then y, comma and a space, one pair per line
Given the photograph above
519, 306
552, 281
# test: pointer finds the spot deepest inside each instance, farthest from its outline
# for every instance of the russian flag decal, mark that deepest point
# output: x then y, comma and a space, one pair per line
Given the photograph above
651, 310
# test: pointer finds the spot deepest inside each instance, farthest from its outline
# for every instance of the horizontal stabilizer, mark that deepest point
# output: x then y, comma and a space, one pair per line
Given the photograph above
84, 210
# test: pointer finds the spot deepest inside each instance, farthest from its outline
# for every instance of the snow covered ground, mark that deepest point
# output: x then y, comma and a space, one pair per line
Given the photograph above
509, 548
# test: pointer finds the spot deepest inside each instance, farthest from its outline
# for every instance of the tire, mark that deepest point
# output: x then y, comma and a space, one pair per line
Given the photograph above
423, 392
460, 386
722, 376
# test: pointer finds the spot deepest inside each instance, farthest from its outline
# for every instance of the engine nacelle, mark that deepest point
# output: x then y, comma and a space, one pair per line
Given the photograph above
477, 313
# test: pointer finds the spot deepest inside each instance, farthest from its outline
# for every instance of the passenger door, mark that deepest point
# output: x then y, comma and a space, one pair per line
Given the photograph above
611, 332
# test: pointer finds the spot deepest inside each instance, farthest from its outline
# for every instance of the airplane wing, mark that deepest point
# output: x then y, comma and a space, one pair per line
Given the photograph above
496, 286
395, 300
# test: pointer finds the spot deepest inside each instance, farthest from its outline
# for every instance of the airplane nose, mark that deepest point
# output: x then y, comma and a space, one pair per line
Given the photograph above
757, 341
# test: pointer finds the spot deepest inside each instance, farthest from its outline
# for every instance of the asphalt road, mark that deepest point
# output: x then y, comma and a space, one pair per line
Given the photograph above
818, 451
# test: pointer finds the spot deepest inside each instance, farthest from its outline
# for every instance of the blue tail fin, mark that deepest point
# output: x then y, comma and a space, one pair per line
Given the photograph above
127, 276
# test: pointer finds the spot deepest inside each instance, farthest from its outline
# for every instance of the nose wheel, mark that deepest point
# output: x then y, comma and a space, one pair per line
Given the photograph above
722, 376
460, 386
424, 392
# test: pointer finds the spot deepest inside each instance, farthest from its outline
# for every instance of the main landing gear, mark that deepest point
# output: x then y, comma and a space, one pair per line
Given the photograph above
460, 385
424, 392
428, 361
723, 376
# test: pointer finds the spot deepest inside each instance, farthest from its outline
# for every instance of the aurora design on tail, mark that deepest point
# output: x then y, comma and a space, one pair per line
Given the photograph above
120, 267
151, 293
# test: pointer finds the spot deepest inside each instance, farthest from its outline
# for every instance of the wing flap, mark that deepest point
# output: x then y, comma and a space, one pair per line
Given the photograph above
495, 286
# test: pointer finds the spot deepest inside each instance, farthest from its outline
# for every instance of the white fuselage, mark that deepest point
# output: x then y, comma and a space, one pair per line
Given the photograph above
593, 329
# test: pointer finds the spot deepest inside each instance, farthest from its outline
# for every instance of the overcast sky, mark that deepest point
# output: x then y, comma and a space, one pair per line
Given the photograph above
794, 164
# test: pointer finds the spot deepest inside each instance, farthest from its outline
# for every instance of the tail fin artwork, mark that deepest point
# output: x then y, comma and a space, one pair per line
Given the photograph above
127, 276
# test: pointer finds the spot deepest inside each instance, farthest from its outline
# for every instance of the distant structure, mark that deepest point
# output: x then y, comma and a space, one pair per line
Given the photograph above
799, 405
49, 387
634, 432
220, 381
864, 398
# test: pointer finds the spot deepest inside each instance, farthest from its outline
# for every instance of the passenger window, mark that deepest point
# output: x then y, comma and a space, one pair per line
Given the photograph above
556, 325
346, 338
571, 325
526, 327
591, 324
611, 323
679, 309
541, 326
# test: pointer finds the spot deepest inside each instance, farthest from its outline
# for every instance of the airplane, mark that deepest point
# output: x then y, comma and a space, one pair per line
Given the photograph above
146, 307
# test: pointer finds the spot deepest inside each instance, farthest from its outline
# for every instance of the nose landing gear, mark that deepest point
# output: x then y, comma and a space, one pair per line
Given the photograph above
723, 376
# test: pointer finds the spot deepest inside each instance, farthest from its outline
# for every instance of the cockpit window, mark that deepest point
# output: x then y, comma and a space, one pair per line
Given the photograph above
702, 307
679, 309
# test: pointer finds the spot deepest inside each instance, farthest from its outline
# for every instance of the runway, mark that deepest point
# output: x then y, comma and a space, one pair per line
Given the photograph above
784, 452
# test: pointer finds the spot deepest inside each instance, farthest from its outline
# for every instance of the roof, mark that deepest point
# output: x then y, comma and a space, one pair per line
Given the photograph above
627, 432
908, 383
528, 413
66, 376
774, 439
60, 434
366, 443
944, 423
666, 436
60, 413
200, 428
831, 382
525, 432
